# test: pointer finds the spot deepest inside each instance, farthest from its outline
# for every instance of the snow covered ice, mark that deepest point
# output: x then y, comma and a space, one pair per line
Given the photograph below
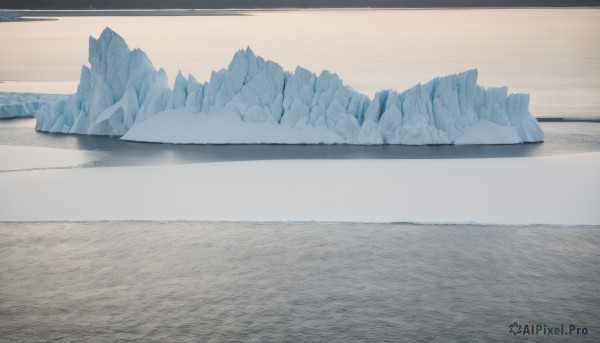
507, 191
7, 16
255, 101
24, 104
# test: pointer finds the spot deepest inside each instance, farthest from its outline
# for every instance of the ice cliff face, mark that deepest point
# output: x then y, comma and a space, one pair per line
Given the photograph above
14, 105
122, 92
121, 86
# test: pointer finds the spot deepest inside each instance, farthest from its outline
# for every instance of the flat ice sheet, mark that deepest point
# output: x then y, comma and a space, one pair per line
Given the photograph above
544, 190
183, 127
25, 157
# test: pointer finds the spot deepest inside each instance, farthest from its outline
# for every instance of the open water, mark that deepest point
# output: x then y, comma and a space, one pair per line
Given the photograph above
561, 138
291, 282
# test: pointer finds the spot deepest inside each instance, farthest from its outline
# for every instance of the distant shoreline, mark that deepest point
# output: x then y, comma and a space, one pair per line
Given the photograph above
567, 120
16, 14
27, 14
143, 5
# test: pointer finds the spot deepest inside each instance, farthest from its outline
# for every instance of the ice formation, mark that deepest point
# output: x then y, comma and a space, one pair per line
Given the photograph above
9, 16
24, 104
256, 101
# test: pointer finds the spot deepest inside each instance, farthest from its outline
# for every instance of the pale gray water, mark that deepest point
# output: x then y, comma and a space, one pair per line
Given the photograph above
276, 282
561, 139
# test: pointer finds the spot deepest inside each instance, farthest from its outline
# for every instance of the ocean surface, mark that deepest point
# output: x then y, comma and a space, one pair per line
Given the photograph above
561, 138
552, 54
291, 282
316, 282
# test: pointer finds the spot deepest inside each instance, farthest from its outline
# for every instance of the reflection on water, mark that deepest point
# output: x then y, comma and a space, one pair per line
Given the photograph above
561, 138
275, 282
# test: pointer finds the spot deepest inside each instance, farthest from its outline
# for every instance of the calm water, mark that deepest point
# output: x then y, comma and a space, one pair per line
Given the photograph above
561, 138
272, 282
553, 54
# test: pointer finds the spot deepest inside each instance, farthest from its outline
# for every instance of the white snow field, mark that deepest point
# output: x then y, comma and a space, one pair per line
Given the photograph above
537, 190
25, 157
255, 101
13, 105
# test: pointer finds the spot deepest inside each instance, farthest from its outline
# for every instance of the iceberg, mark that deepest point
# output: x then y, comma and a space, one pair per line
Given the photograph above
13, 105
120, 87
255, 100
8, 16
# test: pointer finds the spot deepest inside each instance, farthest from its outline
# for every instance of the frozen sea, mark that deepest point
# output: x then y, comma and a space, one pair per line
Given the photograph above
288, 282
